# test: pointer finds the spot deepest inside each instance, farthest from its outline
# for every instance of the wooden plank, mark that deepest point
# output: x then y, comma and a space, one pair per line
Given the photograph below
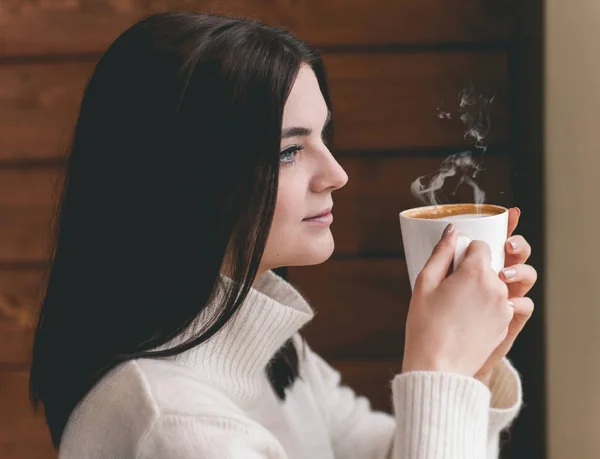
27, 201
20, 298
360, 309
391, 101
530, 435
366, 210
84, 26
38, 108
23, 434
371, 379
381, 101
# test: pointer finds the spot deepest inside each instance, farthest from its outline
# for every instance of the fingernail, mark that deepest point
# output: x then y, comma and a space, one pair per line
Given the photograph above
448, 230
513, 243
518, 210
511, 304
509, 273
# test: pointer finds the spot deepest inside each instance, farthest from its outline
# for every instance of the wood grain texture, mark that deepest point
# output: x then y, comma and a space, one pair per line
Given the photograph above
360, 305
366, 209
38, 108
27, 204
393, 101
20, 298
383, 101
23, 434
85, 26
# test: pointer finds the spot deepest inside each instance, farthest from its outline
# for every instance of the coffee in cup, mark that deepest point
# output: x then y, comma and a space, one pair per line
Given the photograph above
422, 228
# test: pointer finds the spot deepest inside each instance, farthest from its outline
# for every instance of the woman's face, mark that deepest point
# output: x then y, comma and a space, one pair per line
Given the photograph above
308, 175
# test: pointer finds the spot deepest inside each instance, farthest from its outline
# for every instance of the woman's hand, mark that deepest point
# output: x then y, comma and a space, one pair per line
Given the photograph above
519, 278
456, 322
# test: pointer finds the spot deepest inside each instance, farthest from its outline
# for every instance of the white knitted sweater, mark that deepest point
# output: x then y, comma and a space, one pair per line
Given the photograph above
215, 402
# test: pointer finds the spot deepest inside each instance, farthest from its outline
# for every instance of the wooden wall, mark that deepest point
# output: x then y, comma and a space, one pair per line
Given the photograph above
391, 64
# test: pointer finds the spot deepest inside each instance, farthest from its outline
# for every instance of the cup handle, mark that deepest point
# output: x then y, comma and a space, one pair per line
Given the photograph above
462, 242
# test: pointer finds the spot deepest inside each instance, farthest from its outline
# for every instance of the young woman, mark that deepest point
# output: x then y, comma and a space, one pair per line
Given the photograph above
199, 164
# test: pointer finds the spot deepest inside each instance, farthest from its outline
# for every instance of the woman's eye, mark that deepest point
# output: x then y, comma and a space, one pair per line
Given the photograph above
288, 155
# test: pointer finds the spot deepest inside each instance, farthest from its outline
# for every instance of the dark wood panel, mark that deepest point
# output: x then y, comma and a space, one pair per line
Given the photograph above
23, 435
366, 210
529, 435
381, 101
38, 108
391, 101
83, 26
27, 199
361, 307
370, 378
20, 295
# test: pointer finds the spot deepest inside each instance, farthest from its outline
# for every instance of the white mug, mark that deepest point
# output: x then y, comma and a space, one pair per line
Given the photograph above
422, 228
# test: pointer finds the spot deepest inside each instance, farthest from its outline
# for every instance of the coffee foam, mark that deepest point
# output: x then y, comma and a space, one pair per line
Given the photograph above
465, 216
457, 211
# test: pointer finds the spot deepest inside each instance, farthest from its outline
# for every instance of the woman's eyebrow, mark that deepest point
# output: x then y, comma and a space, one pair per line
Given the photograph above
297, 131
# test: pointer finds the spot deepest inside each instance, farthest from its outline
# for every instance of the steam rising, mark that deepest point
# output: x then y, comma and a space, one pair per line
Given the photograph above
462, 165
473, 111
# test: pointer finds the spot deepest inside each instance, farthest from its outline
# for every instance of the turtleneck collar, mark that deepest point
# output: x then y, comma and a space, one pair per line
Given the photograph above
235, 358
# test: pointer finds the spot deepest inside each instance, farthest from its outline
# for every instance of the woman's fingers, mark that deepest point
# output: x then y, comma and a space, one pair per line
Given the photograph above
514, 213
523, 310
437, 267
518, 251
519, 278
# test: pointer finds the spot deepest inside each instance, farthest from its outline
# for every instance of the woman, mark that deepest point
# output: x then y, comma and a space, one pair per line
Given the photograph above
198, 166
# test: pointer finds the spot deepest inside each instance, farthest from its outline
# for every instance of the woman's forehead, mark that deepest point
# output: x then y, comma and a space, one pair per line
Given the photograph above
305, 105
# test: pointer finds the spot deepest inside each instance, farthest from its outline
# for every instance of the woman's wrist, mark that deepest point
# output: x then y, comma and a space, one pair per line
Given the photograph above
485, 378
430, 364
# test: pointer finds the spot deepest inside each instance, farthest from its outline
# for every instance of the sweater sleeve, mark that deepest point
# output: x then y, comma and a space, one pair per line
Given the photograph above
507, 399
437, 415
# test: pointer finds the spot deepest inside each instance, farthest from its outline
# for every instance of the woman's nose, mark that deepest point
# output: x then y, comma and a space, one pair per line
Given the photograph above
331, 175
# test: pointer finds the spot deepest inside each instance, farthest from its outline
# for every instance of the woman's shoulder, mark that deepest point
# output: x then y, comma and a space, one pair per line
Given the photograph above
119, 411
157, 387
177, 389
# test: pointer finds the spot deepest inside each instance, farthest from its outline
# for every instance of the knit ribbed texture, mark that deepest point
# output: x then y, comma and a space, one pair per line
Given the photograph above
236, 357
214, 401
440, 415
506, 392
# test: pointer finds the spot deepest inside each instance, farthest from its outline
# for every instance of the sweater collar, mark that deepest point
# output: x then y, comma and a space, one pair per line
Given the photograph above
236, 357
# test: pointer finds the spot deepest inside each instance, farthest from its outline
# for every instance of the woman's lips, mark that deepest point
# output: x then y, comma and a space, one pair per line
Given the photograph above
325, 219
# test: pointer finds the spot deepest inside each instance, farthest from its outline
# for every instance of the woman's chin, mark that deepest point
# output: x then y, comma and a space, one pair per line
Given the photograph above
316, 254
313, 252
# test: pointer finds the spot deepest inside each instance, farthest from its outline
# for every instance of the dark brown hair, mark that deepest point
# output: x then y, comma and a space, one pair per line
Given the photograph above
174, 163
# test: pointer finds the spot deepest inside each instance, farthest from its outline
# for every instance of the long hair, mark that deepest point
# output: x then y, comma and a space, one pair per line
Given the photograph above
173, 168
